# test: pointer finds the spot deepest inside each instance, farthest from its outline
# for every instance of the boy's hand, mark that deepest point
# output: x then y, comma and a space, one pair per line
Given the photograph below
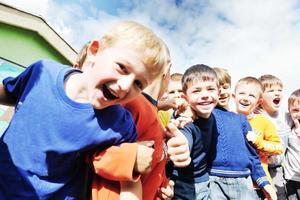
166, 104
167, 192
259, 110
144, 157
178, 148
296, 125
251, 136
269, 192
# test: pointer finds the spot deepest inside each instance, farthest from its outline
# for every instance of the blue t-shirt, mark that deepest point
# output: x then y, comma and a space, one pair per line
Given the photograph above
41, 150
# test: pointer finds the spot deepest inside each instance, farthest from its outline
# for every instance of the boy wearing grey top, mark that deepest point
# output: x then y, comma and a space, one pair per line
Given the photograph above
291, 162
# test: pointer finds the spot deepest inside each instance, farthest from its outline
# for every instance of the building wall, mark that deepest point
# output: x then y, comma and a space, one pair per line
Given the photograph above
24, 47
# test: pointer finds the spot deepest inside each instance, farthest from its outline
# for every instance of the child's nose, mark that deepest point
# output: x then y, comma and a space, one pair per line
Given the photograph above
126, 82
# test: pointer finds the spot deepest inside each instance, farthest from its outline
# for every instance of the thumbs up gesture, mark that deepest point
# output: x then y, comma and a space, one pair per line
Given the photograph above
178, 148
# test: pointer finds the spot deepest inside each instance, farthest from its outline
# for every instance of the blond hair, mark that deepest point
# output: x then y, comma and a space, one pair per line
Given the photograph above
269, 80
294, 97
250, 80
176, 77
142, 39
223, 76
198, 73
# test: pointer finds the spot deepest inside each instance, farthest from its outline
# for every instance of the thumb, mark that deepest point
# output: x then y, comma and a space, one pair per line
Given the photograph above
172, 130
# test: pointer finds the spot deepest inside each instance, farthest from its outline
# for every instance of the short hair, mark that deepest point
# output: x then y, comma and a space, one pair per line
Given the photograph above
294, 97
134, 35
250, 80
198, 73
176, 77
81, 56
223, 75
269, 80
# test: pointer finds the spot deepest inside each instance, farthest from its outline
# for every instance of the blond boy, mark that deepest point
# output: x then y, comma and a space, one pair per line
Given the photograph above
271, 106
291, 160
62, 112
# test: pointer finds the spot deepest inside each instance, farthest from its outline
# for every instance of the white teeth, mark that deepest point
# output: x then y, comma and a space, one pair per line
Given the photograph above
111, 91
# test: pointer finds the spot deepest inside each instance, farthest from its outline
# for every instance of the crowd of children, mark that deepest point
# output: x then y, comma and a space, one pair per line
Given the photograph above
140, 133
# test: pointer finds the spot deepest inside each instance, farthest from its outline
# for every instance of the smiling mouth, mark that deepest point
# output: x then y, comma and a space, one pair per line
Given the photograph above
107, 94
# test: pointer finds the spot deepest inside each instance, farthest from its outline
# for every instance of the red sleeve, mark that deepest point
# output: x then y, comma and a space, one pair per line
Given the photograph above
117, 162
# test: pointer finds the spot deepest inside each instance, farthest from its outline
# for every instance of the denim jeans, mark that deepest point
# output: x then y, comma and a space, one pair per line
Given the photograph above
191, 191
202, 190
231, 188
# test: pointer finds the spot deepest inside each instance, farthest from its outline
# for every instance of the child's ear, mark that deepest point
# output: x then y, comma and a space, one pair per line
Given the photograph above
184, 97
233, 95
260, 101
92, 50
94, 47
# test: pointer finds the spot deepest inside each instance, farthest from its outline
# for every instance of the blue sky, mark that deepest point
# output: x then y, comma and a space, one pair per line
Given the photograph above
247, 37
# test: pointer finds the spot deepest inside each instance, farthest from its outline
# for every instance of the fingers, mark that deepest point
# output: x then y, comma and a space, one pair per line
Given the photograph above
147, 143
183, 163
175, 142
168, 191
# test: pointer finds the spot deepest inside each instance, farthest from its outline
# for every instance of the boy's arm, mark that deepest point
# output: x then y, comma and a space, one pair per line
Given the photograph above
269, 141
124, 162
116, 163
257, 173
131, 190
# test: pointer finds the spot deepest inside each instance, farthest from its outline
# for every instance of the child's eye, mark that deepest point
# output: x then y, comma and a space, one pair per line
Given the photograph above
252, 95
138, 84
123, 68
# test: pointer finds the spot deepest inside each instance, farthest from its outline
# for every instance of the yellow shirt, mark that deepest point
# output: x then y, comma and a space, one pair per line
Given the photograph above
268, 141
164, 117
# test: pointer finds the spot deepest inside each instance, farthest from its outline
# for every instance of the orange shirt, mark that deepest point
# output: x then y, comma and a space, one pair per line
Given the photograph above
116, 163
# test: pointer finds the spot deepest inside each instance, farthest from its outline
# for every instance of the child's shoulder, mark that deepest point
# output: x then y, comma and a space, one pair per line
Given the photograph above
220, 113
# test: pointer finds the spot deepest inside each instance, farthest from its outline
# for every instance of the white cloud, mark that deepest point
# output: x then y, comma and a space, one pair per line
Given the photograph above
248, 37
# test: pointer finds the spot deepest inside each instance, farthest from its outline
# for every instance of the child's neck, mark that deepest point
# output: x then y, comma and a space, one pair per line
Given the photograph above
75, 87
251, 115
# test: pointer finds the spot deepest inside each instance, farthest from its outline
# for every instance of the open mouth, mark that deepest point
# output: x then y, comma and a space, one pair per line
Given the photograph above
276, 101
107, 93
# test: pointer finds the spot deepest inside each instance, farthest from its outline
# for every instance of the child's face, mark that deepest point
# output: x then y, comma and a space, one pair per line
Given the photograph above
203, 97
175, 89
225, 93
247, 97
272, 97
294, 111
116, 77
